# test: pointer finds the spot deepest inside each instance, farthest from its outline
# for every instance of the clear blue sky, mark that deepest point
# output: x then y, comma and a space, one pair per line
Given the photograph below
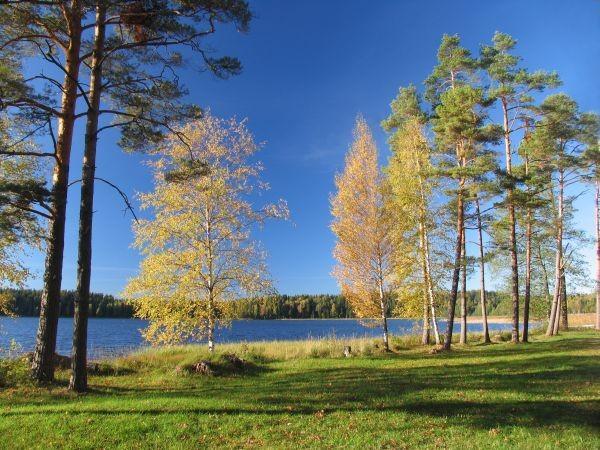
309, 68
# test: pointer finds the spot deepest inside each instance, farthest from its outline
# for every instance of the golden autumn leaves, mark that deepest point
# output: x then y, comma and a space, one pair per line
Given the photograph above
199, 254
380, 222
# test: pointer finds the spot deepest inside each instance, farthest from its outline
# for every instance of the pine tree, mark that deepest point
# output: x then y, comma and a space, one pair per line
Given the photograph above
512, 86
558, 140
133, 71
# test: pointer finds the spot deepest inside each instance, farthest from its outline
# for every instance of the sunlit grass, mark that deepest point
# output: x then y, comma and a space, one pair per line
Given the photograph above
307, 394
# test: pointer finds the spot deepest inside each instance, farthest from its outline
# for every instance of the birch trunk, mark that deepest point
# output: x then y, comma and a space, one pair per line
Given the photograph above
386, 344
42, 369
482, 293
426, 266
426, 334
78, 381
429, 285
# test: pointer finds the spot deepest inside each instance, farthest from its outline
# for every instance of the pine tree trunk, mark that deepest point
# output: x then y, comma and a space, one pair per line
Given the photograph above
78, 381
482, 293
456, 270
527, 299
556, 323
564, 316
554, 311
546, 282
463, 291
512, 222
42, 369
597, 206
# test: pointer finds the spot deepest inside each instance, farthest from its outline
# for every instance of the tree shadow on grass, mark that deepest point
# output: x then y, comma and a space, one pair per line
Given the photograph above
485, 395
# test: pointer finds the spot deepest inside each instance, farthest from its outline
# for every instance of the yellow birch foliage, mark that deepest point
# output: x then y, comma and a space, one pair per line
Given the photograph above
406, 174
199, 255
362, 226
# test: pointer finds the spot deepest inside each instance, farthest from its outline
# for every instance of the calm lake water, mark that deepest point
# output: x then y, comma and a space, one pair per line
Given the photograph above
109, 337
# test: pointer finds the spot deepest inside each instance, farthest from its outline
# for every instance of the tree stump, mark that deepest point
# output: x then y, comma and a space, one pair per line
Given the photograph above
203, 368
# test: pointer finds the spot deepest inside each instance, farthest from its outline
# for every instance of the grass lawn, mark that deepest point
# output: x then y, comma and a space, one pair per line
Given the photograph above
541, 395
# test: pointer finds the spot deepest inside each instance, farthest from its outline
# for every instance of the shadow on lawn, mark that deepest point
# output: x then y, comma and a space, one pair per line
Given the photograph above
472, 393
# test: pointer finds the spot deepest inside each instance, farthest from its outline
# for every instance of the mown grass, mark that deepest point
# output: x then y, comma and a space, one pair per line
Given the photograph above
541, 395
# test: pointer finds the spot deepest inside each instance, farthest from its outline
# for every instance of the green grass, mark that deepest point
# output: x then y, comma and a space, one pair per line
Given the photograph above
541, 395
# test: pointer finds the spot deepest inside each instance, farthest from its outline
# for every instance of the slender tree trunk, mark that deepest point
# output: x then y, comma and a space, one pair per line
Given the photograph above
426, 266
546, 282
211, 335
386, 343
456, 271
42, 368
78, 380
512, 221
426, 301
527, 299
564, 316
429, 285
597, 207
554, 311
556, 323
482, 293
425, 337
463, 290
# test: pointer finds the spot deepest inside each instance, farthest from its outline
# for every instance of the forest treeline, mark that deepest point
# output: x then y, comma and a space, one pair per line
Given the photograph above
26, 302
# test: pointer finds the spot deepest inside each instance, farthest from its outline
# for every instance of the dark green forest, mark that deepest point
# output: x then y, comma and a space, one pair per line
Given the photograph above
26, 302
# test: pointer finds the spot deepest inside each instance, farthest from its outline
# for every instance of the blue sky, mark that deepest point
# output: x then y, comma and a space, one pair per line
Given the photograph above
309, 68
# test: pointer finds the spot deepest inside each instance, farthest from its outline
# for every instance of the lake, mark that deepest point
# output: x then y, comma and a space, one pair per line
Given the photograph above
109, 337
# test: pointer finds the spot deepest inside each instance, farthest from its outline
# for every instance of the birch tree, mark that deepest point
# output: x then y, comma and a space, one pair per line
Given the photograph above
363, 230
409, 174
199, 254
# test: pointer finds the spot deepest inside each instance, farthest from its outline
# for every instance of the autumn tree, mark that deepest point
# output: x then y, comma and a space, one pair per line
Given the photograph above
363, 230
22, 206
199, 255
409, 177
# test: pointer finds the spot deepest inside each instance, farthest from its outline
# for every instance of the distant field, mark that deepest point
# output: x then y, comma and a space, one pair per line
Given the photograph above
541, 395
579, 320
